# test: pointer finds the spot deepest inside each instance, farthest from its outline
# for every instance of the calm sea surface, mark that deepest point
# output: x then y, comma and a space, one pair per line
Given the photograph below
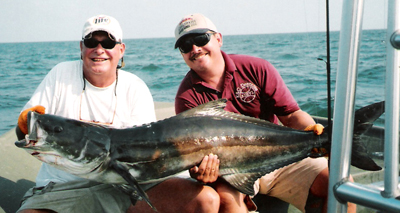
24, 65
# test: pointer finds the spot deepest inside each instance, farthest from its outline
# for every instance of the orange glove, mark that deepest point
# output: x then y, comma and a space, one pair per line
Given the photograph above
23, 117
318, 129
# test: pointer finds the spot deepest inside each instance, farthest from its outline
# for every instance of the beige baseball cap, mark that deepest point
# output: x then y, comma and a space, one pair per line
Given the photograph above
191, 24
103, 23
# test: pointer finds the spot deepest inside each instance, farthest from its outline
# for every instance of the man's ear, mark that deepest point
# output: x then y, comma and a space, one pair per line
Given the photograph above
122, 49
80, 46
218, 36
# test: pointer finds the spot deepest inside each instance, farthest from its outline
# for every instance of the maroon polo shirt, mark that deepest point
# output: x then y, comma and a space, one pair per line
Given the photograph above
253, 87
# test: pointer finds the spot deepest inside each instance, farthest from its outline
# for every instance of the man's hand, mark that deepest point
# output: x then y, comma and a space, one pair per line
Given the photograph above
318, 129
23, 117
208, 170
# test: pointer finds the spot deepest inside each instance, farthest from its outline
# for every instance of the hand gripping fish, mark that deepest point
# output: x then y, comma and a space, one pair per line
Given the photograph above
247, 147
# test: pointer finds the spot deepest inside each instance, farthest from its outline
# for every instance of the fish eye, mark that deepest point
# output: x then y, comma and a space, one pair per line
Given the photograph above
58, 129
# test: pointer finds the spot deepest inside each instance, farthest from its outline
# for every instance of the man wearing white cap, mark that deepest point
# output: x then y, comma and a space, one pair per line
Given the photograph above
252, 87
96, 90
93, 89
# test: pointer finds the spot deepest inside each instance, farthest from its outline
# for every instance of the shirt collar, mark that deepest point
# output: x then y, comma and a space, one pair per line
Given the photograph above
230, 66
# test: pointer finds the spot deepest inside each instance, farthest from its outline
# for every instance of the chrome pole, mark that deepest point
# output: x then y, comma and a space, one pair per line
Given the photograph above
392, 98
342, 130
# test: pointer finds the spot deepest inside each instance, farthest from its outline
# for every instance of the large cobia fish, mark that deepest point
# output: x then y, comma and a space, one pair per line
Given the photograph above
247, 147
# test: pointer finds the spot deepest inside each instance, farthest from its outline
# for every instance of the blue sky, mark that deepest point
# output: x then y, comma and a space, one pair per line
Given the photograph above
51, 20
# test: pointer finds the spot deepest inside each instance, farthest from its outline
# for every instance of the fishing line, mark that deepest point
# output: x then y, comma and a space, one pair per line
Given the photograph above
327, 62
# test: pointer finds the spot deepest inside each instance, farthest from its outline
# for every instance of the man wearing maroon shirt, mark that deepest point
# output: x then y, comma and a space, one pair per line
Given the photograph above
253, 87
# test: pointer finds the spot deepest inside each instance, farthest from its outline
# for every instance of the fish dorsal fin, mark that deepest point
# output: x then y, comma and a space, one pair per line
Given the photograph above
216, 109
209, 108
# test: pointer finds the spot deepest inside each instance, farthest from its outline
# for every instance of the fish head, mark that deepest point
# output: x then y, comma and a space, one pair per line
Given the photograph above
70, 145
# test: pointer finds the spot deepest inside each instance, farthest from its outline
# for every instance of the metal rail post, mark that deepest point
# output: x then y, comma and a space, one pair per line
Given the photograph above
392, 97
349, 44
344, 111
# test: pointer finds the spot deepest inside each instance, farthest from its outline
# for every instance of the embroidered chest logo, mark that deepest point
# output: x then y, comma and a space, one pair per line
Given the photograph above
246, 92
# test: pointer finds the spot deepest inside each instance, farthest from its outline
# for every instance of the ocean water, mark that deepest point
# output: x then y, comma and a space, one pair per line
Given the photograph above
24, 65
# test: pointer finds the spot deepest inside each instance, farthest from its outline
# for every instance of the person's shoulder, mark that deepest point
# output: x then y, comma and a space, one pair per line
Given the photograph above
66, 68
190, 78
189, 75
241, 56
247, 60
129, 78
238, 58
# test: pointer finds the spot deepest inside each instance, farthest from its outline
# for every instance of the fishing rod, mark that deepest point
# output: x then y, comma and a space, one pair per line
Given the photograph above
328, 69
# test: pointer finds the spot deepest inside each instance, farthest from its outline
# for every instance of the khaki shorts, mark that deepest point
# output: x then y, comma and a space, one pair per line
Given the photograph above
78, 196
292, 183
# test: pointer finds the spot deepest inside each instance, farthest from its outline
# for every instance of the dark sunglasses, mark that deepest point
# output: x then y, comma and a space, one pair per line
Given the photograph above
187, 43
107, 43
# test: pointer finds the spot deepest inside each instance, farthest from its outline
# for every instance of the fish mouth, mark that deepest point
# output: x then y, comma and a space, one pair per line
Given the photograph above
31, 138
25, 143
43, 154
33, 149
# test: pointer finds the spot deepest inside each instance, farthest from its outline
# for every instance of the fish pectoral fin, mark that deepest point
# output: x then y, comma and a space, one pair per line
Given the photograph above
123, 170
129, 190
243, 182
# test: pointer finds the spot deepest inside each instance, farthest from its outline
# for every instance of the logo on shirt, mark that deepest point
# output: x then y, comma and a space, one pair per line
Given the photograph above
246, 92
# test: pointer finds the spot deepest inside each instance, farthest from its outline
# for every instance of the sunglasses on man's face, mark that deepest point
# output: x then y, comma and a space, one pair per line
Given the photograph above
186, 45
107, 43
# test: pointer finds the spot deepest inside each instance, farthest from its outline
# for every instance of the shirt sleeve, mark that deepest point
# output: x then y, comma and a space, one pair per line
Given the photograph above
141, 103
144, 108
44, 94
278, 93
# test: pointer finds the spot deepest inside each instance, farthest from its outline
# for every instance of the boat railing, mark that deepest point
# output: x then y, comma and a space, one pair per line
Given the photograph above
341, 190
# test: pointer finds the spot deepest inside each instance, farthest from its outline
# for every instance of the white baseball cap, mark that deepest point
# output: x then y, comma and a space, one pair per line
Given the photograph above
103, 23
191, 24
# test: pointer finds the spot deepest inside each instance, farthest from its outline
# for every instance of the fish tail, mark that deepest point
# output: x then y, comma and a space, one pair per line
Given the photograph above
363, 121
